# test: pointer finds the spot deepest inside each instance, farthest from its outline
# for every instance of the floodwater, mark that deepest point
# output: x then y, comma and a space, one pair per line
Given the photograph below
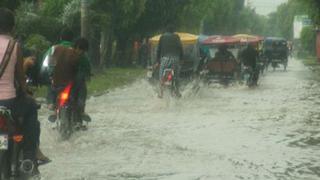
218, 133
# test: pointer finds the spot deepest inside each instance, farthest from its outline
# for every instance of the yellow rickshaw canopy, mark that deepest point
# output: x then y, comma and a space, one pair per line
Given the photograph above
185, 38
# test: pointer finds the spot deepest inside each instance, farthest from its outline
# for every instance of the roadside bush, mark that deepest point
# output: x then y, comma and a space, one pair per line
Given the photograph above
37, 43
308, 40
30, 20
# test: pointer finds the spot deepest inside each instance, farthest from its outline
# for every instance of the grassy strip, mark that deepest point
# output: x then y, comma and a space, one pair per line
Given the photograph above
311, 62
113, 78
105, 80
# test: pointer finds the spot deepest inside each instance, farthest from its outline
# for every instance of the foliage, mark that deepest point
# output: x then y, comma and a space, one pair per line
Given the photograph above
11, 4
71, 15
308, 39
31, 21
53, 7
313, 7
37, 43
281, 22
120, 17
221, 17
157, 15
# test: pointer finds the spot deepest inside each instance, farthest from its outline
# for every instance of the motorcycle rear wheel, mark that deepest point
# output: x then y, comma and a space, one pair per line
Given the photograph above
64, 126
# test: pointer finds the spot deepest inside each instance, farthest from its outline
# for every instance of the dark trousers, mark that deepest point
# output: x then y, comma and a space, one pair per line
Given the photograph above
24, 109
80, 91
50, 95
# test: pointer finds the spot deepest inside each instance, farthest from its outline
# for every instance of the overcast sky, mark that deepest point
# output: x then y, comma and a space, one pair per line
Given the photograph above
265, 7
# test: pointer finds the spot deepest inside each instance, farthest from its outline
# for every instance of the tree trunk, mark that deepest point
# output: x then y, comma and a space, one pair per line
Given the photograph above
103, 48
84, 18
121, 53
109, 60
94, 49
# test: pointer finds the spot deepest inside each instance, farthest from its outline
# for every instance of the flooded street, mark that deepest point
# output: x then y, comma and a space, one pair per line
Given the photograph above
235, 133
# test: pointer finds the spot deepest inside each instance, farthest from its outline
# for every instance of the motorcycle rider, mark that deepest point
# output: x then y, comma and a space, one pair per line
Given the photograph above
169, 55
81, 46
65, 40
64, 71
14, 95
249, 58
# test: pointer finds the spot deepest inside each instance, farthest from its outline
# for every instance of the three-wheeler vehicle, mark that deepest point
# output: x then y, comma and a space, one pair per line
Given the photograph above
221, 64
275, 50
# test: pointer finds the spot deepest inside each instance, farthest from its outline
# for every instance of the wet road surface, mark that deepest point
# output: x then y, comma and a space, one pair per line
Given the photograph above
235, 133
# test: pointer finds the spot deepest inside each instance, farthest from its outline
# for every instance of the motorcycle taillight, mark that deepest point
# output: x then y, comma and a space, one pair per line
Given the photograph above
17, 138
3, 124
64, 95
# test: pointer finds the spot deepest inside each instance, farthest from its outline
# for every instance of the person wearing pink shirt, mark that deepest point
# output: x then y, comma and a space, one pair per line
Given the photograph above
13, 95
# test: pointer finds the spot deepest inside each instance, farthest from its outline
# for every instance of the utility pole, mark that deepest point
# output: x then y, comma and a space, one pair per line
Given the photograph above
84, 18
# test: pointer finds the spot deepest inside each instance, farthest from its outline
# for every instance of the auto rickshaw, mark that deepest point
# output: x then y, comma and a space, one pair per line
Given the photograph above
221, 69
256, 41
190, 59
275, 50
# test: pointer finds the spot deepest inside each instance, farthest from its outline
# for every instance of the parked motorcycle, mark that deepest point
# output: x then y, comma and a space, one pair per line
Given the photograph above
13, 166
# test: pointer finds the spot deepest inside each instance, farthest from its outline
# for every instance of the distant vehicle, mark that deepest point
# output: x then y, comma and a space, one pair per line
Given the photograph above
275, 50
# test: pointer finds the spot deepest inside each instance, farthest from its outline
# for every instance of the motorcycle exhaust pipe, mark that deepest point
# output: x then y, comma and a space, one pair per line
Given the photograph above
27, 166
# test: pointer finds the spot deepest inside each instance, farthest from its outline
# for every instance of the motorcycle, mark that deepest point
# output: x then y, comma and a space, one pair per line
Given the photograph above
13, 166
168, 81
68, 116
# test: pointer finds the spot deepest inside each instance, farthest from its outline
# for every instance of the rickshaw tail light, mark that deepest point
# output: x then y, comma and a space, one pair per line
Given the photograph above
17, 138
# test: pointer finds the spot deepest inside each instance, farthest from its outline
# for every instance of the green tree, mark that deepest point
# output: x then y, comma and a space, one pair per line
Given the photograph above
220, 17
53, 7
116, 22
313, 9
308, 40
158, 14
281, 22
31, 21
